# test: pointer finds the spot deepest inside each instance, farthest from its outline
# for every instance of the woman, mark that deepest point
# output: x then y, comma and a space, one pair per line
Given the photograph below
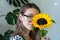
24, 23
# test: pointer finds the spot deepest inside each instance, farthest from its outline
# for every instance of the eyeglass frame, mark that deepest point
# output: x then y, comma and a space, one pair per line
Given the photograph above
28, 16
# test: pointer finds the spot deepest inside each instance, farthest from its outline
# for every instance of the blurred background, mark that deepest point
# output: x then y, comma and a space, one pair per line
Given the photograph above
51, 7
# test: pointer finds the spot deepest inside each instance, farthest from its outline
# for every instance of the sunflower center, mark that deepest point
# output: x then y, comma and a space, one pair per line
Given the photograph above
41, 21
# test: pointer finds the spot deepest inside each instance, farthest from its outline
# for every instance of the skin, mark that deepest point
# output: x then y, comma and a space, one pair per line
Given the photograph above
27, 21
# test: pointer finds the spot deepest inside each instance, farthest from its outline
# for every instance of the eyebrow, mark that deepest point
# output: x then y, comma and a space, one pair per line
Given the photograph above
29, 14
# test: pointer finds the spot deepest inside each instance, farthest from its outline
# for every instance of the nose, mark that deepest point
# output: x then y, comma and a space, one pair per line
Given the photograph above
30, 21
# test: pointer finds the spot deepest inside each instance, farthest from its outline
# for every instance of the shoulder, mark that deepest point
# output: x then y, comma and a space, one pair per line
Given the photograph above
17, 37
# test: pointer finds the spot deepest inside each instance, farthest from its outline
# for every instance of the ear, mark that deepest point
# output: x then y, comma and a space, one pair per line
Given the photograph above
20, 16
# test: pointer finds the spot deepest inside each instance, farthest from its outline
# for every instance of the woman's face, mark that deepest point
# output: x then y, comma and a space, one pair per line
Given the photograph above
26, 18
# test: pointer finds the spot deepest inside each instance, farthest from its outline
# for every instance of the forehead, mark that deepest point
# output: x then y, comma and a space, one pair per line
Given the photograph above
32, 11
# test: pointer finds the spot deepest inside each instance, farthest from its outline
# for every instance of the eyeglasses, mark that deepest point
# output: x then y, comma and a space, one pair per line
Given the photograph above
28, 16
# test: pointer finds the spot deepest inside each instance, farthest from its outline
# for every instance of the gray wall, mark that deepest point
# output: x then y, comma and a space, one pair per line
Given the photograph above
52, 7
4, 9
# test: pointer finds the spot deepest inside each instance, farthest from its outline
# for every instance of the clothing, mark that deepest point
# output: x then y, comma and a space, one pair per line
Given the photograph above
25, 37
18, 37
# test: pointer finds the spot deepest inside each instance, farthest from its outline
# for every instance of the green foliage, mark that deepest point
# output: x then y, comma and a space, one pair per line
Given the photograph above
43, 32
7, 34
2, 37
33, 28
12, 17
17, 3
53, 21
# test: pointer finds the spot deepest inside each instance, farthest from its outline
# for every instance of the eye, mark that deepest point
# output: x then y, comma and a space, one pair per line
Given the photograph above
29, 16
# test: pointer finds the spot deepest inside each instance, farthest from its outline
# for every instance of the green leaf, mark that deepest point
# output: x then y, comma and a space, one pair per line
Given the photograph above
43, 32
22, 1
14, 19
18, 3
33, 28
10, 1
9, 18
16, 11
26, 1
53, 21
15, 3
2, 37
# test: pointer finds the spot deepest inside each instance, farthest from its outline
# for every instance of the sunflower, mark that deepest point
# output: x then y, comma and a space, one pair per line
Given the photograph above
42, 20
